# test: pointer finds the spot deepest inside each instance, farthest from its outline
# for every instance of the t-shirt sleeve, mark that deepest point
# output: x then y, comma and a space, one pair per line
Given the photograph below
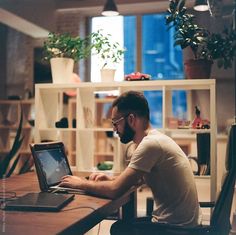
146, 155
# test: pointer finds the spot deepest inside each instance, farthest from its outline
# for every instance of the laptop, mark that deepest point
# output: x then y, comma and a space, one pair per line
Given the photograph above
51, 165
43, 201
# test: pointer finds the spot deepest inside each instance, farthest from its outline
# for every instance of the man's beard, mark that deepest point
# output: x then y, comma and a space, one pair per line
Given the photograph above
128, 134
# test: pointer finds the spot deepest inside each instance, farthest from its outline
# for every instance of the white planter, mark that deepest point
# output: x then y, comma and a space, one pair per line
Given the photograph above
62, 69
107, 75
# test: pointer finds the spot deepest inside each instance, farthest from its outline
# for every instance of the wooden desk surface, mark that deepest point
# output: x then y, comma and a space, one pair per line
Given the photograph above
77, 217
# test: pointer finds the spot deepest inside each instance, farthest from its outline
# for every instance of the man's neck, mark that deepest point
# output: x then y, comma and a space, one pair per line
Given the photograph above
139, 136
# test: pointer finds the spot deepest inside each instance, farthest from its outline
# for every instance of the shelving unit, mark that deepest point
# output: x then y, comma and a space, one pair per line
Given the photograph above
10, 111
82, 141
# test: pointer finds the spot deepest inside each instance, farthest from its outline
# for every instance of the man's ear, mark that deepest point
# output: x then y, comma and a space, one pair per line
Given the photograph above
131, 119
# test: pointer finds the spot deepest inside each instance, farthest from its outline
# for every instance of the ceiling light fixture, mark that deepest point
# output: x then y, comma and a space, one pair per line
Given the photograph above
110, 9
201, 5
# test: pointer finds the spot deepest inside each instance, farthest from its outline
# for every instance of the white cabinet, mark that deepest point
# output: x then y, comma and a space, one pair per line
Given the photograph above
84, 140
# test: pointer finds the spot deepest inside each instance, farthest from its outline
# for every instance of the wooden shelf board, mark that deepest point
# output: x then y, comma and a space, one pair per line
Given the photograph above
57, 129
14, 127
5, 151
10, 102
104, 100
190, 130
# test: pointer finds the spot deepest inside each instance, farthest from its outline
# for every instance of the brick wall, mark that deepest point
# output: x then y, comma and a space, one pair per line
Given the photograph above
74, 24
3, 64
19, 74
19, 63
68, 23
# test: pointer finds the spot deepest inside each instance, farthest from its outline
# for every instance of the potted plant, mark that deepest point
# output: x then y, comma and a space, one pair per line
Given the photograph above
205, 47
221, 48
110, 53
62, 50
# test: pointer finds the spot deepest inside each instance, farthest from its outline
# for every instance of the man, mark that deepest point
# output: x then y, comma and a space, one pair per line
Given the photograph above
157, 159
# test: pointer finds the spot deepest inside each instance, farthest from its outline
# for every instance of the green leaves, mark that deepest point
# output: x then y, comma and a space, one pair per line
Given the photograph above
186, 32
181, 6
109, 52
222, 48
204, 45
4, 165
64, 45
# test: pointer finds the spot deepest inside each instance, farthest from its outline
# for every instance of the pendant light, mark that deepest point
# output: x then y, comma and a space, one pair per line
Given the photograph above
201, 5
110, 9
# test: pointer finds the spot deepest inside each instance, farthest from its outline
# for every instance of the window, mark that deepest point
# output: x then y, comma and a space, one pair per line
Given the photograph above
114, 27
149, 49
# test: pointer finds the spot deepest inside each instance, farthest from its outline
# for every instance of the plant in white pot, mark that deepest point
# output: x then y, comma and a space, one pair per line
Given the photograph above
62, 50
205, 46
110, 54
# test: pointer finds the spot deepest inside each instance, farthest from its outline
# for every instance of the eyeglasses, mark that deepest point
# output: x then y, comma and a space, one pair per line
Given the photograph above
115, 122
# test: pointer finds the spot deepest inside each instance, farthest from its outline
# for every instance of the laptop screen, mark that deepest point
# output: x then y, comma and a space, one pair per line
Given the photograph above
53, 165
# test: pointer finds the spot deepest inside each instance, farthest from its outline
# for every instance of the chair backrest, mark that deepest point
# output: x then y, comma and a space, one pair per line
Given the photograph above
220, 219
203, 151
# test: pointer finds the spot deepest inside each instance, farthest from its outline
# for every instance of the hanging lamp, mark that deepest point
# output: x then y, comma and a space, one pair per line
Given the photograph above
110, 8
201, 5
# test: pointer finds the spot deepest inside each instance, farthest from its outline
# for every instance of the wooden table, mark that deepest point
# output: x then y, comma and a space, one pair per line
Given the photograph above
77, 217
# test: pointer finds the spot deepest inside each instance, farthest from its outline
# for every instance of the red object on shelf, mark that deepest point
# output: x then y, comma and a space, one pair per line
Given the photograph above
197, 122
137, 76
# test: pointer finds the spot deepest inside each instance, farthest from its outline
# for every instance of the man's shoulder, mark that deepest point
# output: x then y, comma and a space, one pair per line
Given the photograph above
156, 135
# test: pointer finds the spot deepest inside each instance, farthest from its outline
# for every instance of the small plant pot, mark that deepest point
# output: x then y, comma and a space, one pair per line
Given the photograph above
198, 69
107, 75
62, 70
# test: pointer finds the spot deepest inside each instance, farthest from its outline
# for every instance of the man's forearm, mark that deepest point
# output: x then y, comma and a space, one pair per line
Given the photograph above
105, 188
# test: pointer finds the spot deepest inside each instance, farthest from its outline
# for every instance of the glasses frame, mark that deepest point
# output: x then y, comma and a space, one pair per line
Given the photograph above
115, 122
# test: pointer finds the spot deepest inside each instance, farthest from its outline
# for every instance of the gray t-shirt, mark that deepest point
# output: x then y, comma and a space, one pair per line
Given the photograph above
170, 178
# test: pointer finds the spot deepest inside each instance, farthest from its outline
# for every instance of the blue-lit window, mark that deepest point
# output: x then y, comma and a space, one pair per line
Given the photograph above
130, 43
157, 57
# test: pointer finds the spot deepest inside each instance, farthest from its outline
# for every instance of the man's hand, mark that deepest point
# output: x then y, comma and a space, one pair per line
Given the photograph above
100, 177
104, 185
72, 182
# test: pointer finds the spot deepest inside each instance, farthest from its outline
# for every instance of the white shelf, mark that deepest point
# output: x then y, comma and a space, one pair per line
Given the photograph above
189, 130
84, 140
195, 84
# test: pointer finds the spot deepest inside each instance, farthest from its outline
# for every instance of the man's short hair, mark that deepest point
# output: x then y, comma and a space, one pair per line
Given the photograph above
132, 102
